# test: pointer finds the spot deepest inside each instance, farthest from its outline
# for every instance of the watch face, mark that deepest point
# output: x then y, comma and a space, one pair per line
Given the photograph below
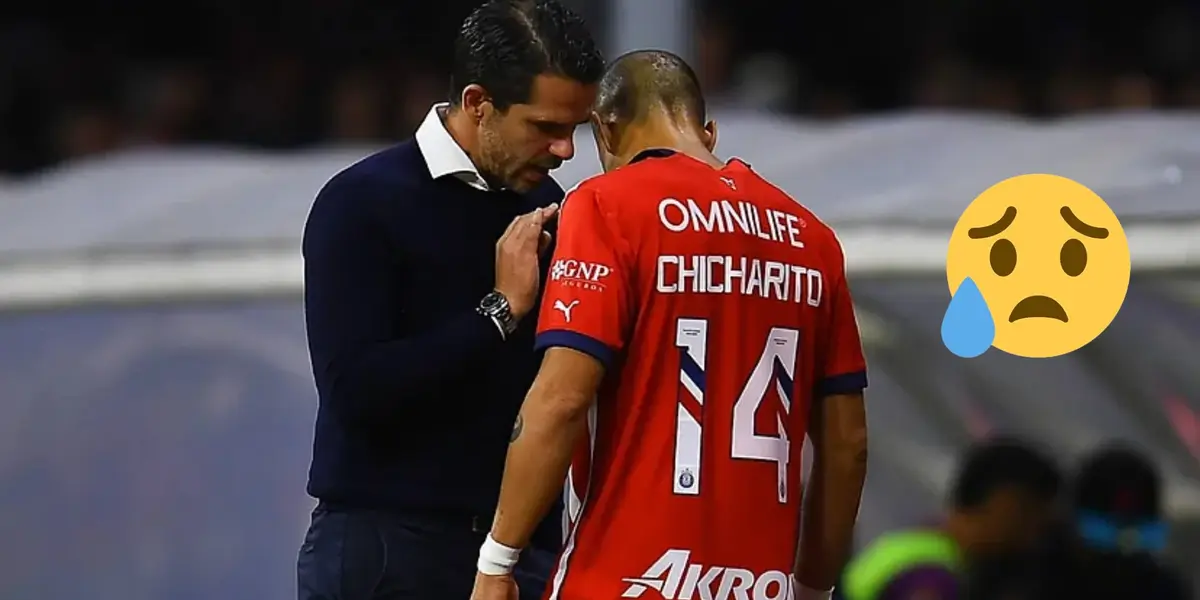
492, 301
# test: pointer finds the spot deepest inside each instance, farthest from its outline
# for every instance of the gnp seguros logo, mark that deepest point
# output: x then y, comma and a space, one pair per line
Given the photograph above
579, 274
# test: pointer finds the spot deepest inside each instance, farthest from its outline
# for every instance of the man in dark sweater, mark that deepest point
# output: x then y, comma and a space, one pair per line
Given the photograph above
422, 263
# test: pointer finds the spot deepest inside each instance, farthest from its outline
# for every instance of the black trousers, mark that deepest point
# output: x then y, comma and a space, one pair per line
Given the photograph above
354, 554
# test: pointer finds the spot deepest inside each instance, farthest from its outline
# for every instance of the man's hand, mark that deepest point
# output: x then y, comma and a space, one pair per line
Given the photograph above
494, 587
518, 272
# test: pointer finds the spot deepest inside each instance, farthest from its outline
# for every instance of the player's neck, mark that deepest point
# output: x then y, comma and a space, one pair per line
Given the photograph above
662, 134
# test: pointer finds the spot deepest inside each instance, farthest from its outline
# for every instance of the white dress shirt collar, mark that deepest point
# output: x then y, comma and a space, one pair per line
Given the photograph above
443, 156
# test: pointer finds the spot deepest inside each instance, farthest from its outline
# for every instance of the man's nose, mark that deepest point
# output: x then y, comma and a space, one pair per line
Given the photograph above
563, 148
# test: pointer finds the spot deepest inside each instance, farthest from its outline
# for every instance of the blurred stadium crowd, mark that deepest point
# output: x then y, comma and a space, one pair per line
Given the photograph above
1019, 529
93, 78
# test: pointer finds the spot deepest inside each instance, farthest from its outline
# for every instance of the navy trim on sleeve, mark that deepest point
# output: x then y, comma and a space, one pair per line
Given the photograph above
575, 341
848, 383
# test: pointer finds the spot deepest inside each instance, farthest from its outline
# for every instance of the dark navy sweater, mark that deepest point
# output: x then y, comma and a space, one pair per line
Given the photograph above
418, 392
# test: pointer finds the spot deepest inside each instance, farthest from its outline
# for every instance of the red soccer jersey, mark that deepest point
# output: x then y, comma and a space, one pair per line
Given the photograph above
720, 308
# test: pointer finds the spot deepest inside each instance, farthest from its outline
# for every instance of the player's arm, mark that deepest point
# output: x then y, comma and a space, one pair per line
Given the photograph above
552, 422
839, 438
583, 323
838, 431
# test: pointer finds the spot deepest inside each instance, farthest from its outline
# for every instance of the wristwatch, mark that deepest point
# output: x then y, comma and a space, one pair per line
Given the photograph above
496, 307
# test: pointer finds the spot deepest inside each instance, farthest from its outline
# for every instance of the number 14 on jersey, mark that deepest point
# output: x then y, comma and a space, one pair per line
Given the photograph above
776, 366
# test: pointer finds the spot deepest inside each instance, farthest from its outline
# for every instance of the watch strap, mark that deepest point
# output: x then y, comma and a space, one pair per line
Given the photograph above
499, 327
496, 307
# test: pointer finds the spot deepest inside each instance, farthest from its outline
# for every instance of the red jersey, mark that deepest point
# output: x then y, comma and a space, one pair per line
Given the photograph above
720, 308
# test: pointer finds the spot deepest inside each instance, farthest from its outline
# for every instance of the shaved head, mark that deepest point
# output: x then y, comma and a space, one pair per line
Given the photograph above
646, 81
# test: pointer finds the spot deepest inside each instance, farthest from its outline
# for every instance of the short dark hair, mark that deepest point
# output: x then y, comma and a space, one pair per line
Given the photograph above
504, 44
1119, 482
645, 79
1004, 463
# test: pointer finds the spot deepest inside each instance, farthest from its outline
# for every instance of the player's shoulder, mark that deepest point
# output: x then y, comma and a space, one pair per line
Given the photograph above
606, 193
617, 182
583, 196
588, 186
813, 224
782, 196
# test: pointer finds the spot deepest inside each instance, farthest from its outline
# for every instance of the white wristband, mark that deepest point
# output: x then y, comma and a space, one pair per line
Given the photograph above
496, 558
804, 592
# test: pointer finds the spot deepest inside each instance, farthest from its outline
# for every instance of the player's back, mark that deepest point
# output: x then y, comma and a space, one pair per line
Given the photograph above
692, 479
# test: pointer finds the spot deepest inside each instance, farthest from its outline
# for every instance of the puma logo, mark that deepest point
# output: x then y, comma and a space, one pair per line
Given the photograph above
565, 308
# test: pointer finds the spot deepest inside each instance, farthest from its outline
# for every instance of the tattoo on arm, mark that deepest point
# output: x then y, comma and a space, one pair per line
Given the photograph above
517, 427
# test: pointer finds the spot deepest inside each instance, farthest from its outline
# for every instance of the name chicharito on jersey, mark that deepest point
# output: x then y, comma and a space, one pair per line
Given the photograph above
709, 274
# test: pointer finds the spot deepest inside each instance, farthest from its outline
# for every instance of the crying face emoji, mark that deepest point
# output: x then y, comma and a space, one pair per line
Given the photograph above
1038, 266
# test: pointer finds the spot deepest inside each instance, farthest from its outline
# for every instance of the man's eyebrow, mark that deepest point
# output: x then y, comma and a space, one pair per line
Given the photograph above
549, 121
987, 231
1083, 228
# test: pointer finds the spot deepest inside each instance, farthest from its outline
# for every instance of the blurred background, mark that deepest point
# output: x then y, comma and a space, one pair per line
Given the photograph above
79, 80
157, 162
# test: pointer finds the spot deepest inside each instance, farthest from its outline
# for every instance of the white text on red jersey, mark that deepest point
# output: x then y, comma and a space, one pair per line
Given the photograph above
730, 216
724, 274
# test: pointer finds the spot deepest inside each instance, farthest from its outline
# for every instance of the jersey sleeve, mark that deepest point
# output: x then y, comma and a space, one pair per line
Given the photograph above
845, 369
586, 305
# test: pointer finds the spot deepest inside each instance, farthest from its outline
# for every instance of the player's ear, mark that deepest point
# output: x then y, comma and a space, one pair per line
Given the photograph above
603, 132
710, 135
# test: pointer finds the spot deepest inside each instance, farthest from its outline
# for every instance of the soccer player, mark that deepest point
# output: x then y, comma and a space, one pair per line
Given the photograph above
697, 324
